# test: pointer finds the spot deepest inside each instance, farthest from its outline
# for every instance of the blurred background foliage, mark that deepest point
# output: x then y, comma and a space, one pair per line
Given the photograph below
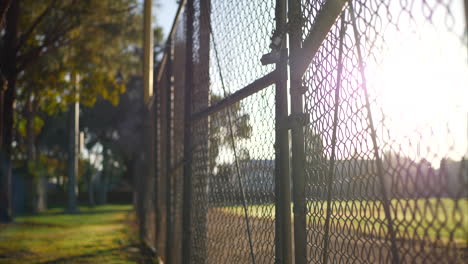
60, 43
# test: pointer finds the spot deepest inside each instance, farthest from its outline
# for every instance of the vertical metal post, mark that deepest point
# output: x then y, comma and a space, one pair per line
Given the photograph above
187, 182
147, 51
168, 140
283, 240
331, 170
151, 170
201, 101
157, 173
297, 135
162, 179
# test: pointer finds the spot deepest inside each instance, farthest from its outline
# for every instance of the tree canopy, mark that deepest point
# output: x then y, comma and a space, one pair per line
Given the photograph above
47, 48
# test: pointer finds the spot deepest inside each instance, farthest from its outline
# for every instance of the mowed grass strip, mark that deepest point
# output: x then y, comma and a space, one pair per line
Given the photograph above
98, 235
442, 219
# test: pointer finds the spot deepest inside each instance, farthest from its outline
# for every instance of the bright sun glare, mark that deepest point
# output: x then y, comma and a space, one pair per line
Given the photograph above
421, 86
418, 78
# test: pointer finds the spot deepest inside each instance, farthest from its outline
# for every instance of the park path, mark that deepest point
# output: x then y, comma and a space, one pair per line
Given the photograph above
104, 234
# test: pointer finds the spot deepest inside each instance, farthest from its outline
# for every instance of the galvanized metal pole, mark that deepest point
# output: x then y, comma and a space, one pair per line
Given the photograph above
147, 51
187, 183
296, 123
283, 239
201, 128
169, 138
162, 190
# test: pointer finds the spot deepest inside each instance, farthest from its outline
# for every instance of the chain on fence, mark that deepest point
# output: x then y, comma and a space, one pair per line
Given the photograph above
310, 131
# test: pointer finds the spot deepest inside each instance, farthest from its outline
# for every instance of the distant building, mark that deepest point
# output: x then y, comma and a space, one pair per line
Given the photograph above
455, 175
257, 179
353, 179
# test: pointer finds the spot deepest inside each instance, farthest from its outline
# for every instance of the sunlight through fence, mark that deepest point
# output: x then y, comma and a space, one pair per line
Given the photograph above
310, 131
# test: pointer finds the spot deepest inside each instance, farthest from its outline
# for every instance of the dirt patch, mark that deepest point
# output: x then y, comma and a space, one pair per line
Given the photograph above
227, 242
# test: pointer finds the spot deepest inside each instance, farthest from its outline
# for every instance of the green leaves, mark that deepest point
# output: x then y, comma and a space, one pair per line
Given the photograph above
90, 39
38, 124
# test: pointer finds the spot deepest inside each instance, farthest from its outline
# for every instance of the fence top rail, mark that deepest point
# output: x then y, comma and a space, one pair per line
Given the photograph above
175, 23
245, 92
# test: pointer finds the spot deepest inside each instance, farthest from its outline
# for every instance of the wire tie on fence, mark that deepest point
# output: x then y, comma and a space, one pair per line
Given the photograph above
277, 37
299, 91
297, 120
276, 41
271, 58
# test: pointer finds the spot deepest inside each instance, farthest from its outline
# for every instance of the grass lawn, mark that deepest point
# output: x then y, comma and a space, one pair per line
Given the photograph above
438, 219
98, 235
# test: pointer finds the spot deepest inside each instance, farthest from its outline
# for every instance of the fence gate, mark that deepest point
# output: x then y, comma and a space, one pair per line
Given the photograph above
310, 131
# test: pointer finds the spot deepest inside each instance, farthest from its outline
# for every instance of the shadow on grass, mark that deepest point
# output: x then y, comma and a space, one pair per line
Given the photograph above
35, 224
73, 259
130, 254
91, 212
87, 211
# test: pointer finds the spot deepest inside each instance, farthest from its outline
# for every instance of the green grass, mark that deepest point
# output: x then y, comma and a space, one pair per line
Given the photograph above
98, 235
442, 219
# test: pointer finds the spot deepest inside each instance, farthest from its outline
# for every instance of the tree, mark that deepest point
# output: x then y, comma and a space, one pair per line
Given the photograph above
67, 36
7, 67
118, 129
220, 134
4, 5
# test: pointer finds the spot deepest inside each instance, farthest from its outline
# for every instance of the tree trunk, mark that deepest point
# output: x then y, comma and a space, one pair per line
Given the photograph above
129, 175
101, 193
4, 5
32, 158
40, 187
103, 179
30, 161
8, 66
43, 181
91, 179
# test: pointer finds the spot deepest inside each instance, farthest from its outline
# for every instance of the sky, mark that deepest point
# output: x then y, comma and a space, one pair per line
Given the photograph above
164, 12
423, 96
419, 80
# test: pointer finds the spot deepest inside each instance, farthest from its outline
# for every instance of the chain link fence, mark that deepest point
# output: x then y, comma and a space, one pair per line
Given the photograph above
310, 131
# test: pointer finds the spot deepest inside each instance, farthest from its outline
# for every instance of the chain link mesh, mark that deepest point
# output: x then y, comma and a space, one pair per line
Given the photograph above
367, 150
384, 141
233, 181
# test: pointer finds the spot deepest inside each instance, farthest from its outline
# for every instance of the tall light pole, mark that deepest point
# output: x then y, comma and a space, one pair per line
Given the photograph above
148, 51
74, 124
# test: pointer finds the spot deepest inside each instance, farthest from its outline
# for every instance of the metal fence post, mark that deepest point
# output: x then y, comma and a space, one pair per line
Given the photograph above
168, 142
187, 182
203, 100
156, 165
362, 206
283, 242
297, 134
